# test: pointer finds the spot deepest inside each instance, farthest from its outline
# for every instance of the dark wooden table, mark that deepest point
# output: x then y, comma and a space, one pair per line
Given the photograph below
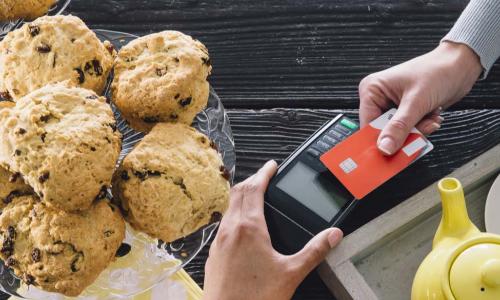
284, 67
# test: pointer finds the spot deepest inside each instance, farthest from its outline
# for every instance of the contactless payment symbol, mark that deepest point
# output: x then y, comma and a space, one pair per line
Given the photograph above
348, 165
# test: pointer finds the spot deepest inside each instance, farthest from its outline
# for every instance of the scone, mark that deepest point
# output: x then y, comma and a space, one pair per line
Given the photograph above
27, 9
64, 142
59, 251
161, 77
172, 183
49, 50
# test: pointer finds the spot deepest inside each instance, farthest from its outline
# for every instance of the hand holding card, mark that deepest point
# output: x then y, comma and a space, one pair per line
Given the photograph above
361, 167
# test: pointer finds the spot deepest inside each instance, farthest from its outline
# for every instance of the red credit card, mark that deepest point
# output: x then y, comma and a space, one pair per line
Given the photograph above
359, 165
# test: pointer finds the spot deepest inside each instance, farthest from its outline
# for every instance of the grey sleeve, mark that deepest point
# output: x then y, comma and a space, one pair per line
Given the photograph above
479, 28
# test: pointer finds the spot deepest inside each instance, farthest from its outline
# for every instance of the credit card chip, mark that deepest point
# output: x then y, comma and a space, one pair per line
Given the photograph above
348, 165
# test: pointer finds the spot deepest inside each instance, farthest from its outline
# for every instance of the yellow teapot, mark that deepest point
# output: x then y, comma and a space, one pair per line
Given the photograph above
464, 263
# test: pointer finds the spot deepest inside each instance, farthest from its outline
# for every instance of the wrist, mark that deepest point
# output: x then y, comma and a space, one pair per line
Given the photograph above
463, 59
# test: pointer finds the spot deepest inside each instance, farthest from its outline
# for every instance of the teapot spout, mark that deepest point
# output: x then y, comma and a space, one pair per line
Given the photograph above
455, 222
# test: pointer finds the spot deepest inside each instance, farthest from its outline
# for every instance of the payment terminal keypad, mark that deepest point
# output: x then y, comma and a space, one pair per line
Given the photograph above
341, 130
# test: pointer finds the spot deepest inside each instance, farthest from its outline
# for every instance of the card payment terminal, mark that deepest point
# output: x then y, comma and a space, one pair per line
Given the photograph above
304, 197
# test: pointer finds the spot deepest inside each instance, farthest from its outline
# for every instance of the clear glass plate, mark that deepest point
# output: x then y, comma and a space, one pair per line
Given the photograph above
58, 8
149, 261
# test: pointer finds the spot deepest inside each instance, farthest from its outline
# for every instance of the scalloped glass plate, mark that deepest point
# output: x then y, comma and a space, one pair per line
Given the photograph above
149, 261
58, 8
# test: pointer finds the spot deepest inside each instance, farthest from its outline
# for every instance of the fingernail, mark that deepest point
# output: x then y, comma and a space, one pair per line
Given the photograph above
387, 145
334, 237
435, 126
441, 119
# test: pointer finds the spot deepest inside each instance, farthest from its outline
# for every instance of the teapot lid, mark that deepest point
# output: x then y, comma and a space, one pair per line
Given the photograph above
475, 273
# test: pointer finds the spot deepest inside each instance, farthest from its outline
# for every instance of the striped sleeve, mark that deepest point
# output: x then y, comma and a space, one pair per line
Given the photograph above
479, 28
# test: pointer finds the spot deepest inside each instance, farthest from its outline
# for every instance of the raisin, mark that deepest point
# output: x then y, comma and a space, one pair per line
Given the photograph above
17, 152
43, 48
206, 61
74, 262
151, 119
11, 196
73, 40
108, 233
124, 175
215, 217
81, 75
29, 279
108, 140
45, 118
110, 48
123, 250
113, 126
54, 60
44, 177
92, 97
10, 262
177, 96
140, 175
21, 131
213, 145
92, 148
203, 140
11, 232
225, 173
13, 178
97, 67
43, 136
161, 71
102, 193
34, 30
176, 59
185, 102
88, 68
5, 96
174, 116
154, 173
7, 247
36, 255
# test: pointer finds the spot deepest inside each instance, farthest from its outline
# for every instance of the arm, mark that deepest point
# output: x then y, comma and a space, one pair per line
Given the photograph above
479, 28
423, 86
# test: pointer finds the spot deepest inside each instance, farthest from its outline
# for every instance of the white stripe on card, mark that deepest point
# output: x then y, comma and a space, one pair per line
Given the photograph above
414, 146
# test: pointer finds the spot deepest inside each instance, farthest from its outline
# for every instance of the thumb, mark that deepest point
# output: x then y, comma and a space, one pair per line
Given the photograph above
316, 250
397, 130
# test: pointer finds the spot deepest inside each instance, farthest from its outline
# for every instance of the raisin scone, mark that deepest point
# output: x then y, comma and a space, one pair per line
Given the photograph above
59, 251
27, 9
49, 50
172, 183
64, 142
161, 77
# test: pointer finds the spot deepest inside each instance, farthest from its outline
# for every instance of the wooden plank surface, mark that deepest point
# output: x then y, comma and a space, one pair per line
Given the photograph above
311, 54
295, 53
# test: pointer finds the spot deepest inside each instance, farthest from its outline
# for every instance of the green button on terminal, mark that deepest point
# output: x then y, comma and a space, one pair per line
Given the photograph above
348, 124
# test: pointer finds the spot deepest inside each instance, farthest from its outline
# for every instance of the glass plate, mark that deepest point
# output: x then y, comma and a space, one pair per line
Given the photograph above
58, 8
149, 261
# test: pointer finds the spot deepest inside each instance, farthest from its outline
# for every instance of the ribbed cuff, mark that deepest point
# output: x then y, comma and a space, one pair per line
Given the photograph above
479, 28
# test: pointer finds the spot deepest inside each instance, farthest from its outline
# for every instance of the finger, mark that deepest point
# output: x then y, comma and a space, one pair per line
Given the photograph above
396, 131
372, 100
253, 194
368, 111
431, 122
315, 251
233, 212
